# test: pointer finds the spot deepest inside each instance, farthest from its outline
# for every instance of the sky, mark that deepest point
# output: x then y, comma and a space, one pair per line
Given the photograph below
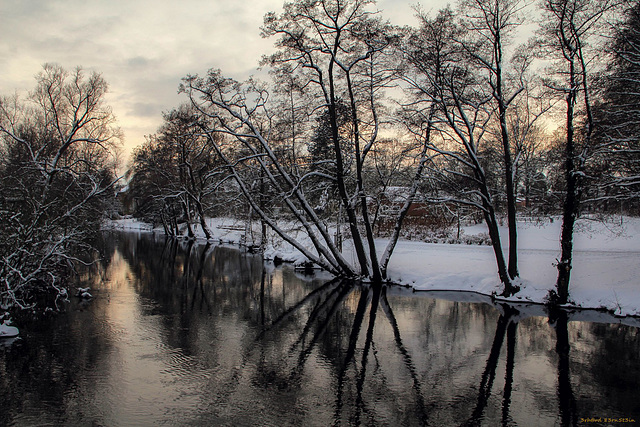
143, 47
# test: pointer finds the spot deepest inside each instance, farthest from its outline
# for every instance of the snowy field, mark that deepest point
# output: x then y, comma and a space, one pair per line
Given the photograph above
606, 272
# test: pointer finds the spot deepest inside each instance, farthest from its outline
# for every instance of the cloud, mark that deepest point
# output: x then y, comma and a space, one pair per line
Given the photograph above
145, 109
142, 47
137, 61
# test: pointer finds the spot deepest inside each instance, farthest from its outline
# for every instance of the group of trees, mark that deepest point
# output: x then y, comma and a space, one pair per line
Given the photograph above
58, 155
320, 145
451, 112
175, 174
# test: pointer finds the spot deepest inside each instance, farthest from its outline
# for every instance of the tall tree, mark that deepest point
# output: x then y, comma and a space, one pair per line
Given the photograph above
568, 26
446, 73
489, 26
336, 45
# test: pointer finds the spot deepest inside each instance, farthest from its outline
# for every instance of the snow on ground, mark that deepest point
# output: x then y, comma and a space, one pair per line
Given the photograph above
7, 331
606, 272
127, 224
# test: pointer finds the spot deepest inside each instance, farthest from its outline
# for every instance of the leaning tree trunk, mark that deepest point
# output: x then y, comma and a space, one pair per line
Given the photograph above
494, 235
393, 240
201, 216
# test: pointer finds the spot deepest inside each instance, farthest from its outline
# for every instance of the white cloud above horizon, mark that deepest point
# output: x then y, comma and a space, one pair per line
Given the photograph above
142, 47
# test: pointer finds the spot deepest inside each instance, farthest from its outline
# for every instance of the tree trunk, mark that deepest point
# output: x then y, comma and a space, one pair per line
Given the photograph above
571, 201
165, 226
569, 215
494, 234
187, 216
511, 196
508, 163
373, 256
203, 223
176, 230
351, 216
393, 240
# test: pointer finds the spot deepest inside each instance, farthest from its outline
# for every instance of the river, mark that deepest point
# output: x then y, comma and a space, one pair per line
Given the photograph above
183, 333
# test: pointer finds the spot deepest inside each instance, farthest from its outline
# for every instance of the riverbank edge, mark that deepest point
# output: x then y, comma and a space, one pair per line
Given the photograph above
488, 288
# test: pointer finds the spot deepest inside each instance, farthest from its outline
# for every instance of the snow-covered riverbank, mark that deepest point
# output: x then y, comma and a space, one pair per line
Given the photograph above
606, 271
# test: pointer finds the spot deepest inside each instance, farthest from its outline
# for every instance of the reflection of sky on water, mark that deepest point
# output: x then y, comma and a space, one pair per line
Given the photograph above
187, 334
140, 368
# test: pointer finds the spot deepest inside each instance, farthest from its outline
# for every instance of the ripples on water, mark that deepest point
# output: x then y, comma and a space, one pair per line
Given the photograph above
187, 334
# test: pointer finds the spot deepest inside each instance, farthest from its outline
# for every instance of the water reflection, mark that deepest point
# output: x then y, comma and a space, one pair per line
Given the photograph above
507, 325
190, 334
566, 398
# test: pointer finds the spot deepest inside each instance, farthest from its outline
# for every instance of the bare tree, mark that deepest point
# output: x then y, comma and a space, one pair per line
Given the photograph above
150, 177
175, 174
336, 45
241, 113
568, 26
336, 51
194, 160
57, 179
489, 26
447, 78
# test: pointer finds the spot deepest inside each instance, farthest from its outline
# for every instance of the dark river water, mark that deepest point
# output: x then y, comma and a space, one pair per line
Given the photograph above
188, 334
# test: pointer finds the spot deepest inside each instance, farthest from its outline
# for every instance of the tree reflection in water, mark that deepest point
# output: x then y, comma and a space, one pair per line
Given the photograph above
566, 399
507, 325
199, 334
